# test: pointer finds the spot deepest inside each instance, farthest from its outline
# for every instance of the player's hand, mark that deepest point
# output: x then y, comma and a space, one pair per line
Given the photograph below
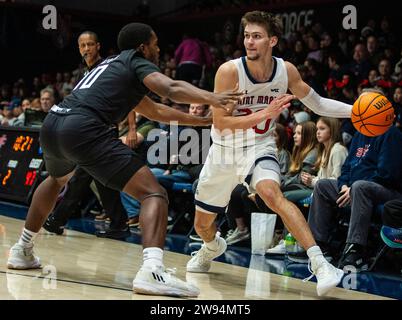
277, 105
131, 139
226, 98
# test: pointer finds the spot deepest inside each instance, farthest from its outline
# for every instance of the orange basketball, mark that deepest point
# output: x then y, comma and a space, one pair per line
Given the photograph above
372, 114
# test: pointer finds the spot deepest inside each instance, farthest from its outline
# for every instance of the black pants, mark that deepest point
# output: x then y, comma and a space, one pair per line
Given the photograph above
240, 206
77, 187
392, 214
189, 72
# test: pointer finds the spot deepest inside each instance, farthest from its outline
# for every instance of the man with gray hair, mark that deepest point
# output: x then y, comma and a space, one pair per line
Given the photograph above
46, 99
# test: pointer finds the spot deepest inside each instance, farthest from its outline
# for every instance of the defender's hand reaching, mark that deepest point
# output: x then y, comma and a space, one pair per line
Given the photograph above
225, 98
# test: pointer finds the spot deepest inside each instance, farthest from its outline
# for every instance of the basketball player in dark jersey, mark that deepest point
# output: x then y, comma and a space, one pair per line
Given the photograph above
89, 48
77, 133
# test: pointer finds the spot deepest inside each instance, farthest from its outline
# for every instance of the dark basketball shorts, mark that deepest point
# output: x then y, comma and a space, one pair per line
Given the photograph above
70, 140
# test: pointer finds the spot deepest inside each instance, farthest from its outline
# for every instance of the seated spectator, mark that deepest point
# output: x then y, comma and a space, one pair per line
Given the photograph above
371, 175
360, 66
331, 153
303, 158
8, 118
281, 141
46, 99
384, 81
35, 104
374, 53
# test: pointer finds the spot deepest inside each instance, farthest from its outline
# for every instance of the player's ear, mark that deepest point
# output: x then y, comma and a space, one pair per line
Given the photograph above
273, 41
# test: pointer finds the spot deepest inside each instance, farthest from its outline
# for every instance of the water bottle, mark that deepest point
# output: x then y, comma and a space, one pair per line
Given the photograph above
290, 243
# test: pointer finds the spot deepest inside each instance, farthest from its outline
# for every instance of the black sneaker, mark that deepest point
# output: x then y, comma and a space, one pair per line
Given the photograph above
354, 255
53, 226
116, 234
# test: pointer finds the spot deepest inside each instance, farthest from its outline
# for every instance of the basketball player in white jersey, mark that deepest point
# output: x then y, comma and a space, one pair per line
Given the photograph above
254, 162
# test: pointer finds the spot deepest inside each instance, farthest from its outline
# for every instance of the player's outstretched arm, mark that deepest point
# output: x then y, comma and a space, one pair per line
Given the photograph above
312, 100
165, 114
226, 78
184, 92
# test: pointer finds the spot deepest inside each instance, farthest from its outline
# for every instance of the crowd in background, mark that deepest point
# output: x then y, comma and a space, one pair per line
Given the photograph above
339, 66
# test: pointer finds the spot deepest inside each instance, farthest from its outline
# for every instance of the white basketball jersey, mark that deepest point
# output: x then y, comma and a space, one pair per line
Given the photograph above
258, 96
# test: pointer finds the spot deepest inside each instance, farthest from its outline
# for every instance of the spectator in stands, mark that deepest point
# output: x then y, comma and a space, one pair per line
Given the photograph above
26, 104
360, 66
374, 54
281, 140
190, 56
37, 86
331, 153
314, 51
8, 118
371, 175
338, 75
304, 156
46, 99
298, 55
384, 81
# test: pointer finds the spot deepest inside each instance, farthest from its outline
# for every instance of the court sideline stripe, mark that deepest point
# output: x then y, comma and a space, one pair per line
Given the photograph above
69, 281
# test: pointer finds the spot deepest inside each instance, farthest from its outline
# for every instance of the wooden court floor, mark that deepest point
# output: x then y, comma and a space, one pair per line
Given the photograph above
84, 267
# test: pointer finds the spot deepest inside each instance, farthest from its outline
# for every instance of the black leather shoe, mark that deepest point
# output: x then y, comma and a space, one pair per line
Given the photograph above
53, 226
114, 234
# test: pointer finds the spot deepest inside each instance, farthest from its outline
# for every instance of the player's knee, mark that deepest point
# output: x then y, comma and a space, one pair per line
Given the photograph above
202, 225
272, 198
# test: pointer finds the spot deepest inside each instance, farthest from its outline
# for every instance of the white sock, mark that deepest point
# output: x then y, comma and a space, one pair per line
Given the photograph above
315, 255
214, 244
152, 257
27, 238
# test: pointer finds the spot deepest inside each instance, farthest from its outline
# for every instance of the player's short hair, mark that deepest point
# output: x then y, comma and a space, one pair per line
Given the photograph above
272, 23
132, 35
91, 33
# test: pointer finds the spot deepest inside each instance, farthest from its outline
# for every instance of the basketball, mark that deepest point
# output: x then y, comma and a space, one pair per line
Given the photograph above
372, 114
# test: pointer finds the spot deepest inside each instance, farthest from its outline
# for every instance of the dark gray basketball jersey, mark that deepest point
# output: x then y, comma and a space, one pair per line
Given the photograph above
113, 88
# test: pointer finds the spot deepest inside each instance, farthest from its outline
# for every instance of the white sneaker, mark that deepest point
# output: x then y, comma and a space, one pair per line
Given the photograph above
236, 235
278, 249
22, 258
328, 277
162, 282
201, 259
